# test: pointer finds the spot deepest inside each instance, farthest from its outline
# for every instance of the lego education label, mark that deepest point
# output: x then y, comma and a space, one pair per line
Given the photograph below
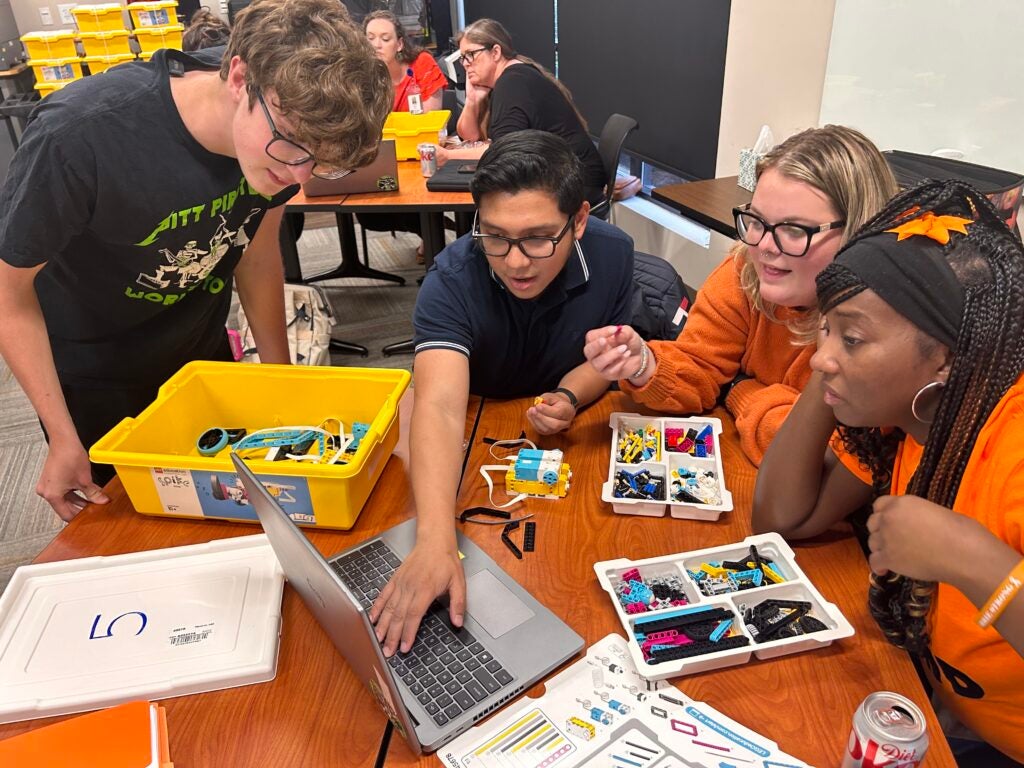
177, 492
189, 493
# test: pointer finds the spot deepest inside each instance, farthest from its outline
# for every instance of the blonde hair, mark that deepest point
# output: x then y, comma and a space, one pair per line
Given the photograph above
847, 167
490, 33
324, 75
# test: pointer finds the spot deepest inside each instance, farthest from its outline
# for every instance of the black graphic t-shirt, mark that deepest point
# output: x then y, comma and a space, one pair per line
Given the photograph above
139, 226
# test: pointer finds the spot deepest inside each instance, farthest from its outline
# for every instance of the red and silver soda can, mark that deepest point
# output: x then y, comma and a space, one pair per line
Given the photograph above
888, 732
428, 159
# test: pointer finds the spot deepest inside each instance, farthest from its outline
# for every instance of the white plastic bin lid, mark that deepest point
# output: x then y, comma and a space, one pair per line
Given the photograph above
99, 631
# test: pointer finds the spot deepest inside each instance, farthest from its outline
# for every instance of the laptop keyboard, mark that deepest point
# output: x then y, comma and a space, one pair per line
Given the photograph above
448, 670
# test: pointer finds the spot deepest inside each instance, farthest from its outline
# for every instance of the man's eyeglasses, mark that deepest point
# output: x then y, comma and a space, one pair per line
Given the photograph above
792, 239
533, 247
468, 56
286, 151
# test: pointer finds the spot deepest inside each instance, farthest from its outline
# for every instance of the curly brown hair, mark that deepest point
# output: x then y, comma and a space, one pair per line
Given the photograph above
320, 72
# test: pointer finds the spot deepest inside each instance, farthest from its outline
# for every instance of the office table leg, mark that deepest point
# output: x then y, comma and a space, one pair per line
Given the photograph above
350, 265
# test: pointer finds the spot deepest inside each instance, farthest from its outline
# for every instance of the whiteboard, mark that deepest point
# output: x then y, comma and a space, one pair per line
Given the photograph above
925, 75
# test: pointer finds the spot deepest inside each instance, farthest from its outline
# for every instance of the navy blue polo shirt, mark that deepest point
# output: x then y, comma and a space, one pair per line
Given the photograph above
522, 347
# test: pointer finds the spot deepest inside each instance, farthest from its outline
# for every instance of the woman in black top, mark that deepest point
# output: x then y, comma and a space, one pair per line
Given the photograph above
506, 92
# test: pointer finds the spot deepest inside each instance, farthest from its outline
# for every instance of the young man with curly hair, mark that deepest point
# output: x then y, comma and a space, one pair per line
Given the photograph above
139, 195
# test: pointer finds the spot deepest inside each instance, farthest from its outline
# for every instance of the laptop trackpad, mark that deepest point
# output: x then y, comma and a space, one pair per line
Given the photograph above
493, 606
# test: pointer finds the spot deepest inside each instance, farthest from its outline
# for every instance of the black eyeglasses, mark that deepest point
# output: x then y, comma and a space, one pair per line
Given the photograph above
286, 151
792, 239
468, 56
533, 247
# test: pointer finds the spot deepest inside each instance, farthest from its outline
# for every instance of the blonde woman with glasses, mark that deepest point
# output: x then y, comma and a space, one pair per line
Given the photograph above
748, 340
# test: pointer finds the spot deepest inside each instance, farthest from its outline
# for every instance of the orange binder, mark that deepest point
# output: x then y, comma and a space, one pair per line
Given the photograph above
132, 735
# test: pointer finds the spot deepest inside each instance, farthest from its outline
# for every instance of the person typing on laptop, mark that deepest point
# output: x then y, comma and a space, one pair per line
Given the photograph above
502, 313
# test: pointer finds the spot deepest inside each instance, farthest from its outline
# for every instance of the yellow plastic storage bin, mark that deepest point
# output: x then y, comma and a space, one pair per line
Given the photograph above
45, 89
98, 18
50, 45
156, 14
152, 39
155, 454
99, 64
408, 130
56, 70
109, 43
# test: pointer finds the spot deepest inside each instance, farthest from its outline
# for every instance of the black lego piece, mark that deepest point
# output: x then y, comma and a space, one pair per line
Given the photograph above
714, 615
529, 536
501, 514
508, 541
697, 648
493, 440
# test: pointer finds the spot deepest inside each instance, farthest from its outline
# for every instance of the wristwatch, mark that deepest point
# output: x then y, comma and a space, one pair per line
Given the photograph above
573, 400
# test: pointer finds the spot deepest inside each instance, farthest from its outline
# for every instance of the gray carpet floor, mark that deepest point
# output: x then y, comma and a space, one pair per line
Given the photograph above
367, 312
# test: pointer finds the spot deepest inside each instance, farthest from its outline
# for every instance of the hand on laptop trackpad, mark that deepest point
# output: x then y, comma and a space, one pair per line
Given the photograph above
493, 605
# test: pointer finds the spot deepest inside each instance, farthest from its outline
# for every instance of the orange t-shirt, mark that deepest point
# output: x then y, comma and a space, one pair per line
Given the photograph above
723, 336
427, 75
978, 674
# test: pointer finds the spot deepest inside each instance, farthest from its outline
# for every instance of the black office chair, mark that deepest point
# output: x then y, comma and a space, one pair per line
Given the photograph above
609, 147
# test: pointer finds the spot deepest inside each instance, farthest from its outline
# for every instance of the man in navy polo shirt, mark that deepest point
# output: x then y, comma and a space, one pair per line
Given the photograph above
502, 313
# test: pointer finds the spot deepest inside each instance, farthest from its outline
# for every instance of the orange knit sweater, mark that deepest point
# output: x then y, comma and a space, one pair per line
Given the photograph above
723, 336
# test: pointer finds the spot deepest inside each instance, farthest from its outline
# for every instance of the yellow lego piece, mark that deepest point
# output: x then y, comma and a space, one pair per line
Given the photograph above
580, 728
712, 570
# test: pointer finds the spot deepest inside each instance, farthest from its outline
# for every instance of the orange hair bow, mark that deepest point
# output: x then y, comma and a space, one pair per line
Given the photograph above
930, 225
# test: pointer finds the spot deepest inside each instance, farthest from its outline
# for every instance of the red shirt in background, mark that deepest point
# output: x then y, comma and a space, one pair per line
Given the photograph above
427, 75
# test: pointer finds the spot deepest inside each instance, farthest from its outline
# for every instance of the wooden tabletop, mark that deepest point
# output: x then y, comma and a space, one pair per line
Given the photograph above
316, 712
412, 194
14, 71
805, 701
708, 202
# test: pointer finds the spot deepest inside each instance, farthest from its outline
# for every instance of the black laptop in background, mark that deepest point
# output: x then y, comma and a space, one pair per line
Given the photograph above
453, 177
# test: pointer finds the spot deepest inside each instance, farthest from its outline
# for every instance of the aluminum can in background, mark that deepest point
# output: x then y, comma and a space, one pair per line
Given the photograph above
888, 732
428, 159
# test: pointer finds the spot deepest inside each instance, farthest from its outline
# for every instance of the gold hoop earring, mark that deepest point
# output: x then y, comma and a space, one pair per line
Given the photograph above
921, 391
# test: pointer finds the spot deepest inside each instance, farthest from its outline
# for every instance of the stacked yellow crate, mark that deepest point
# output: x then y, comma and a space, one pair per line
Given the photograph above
103, 35
53, 58
156, 26
105, 49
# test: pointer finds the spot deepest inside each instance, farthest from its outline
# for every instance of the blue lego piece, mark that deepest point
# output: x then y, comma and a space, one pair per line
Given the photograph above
720, 631
674, 614
359, 430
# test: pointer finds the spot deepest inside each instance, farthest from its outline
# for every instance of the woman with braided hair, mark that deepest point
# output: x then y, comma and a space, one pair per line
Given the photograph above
916, 402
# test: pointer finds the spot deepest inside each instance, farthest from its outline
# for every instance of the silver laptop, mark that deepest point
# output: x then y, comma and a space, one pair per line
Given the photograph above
451, 678
379, 176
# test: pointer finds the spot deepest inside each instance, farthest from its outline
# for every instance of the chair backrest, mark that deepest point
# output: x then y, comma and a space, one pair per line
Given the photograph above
609, 147
661, 300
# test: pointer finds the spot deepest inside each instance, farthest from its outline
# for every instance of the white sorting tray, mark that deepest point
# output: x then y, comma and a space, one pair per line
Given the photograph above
663, 465
89, 633
795, 587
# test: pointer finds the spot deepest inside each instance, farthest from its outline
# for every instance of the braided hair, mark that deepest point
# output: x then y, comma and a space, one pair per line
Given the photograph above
988, 358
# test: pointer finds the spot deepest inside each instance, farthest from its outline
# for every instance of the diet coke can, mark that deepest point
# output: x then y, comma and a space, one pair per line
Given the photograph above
428, 159
888, 732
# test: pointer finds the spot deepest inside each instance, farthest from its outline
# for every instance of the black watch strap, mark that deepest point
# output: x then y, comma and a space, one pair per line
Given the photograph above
573, 400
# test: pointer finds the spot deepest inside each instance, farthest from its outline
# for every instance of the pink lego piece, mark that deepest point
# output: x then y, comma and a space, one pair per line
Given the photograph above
632, 575
636, 608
